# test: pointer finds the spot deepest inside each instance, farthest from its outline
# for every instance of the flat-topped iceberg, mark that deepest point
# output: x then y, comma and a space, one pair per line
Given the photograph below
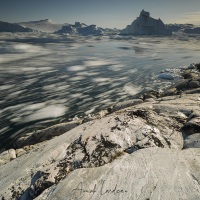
46, 25
146, 25
10, 27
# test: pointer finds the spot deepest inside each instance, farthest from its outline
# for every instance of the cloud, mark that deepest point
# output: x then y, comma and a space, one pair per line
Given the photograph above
189, 17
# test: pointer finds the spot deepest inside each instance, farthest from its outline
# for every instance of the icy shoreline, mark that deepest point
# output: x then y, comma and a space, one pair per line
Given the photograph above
55, 162
175, 76
73, 79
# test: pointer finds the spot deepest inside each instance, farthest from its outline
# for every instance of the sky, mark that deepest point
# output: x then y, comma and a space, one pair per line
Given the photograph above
103, 13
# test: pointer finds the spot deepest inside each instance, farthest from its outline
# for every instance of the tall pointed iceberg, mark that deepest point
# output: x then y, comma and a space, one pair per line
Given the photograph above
146, 25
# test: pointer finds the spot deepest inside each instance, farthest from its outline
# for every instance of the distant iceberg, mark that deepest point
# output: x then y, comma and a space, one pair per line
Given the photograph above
68, 30
179, 27
46, 25
146, 25
10, 27
81, 29
195, 30
90, 30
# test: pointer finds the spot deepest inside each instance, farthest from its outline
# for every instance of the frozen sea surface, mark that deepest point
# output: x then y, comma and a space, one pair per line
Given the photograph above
47, 79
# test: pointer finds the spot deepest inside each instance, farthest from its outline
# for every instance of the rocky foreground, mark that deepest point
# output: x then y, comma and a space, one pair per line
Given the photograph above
147, 148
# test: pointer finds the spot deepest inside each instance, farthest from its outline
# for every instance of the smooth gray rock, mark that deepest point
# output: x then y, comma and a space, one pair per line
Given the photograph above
152, 173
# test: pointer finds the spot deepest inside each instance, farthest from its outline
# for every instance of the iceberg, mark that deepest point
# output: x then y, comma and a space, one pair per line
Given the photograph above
10, 27
146, 25
90, 30
81, 29
68, 30
195, 30
45, 25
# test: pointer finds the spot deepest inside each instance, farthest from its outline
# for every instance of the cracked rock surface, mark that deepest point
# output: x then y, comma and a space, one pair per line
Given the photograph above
134, 153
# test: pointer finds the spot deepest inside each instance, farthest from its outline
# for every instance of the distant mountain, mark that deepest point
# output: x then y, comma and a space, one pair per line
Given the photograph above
10, 27
146, 25
43, 25
80, 29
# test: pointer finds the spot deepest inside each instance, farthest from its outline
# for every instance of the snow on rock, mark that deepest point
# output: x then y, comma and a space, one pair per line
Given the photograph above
146, 25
